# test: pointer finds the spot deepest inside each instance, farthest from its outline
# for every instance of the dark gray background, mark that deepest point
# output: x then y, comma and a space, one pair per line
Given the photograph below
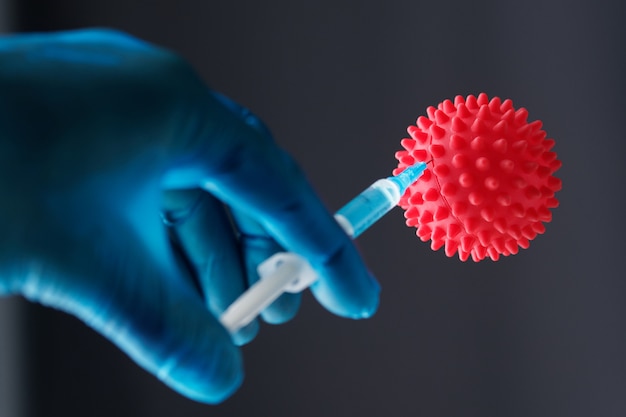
538, 334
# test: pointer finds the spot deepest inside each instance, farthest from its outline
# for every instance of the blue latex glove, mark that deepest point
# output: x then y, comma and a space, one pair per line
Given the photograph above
102, 138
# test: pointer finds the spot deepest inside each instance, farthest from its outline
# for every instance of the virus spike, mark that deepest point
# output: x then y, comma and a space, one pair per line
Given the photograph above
408, 144
458, 125
441, 117
462, 111
449, 107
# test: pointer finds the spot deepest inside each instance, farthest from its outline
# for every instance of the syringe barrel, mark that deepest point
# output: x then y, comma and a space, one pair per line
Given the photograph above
368, 207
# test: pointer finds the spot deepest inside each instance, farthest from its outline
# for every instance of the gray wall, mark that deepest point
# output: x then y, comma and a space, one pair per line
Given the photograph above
11, 360
538, 334
10, 317
6, 16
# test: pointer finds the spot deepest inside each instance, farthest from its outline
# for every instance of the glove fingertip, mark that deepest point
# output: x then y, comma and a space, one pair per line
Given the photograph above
283, 309
212, 382
246, 334
346, 288
364, 308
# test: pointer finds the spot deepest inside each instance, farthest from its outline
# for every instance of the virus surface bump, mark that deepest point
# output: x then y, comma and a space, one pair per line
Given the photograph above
489, 185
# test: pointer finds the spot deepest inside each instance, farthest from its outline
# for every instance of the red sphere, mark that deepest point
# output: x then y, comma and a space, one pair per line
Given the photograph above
489, 185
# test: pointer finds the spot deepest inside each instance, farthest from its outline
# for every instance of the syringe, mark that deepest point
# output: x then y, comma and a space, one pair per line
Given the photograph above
289, 272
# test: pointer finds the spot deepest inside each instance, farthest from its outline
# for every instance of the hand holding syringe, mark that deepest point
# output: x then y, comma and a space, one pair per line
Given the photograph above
289, 272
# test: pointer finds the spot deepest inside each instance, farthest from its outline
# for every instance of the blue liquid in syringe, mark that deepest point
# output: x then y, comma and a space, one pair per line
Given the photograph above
376, 200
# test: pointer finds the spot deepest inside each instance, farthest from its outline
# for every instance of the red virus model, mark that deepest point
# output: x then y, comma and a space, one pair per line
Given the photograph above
489, 185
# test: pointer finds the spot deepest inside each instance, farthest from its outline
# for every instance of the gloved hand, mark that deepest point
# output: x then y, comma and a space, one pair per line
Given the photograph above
116, 162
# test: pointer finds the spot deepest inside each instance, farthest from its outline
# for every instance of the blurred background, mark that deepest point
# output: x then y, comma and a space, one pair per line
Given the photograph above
542, 333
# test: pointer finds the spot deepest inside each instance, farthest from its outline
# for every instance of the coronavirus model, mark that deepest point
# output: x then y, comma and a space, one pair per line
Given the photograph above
489, 186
